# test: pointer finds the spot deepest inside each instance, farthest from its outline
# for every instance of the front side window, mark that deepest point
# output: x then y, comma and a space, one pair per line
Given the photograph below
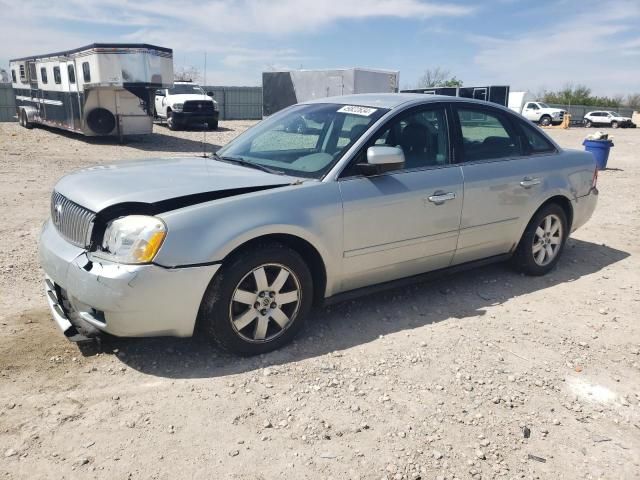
486, 135
43, 75
532, 106
72, 74
56, 75
304, 140
86, 72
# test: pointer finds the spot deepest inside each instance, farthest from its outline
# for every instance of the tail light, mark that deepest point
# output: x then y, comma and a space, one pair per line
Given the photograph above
594, 180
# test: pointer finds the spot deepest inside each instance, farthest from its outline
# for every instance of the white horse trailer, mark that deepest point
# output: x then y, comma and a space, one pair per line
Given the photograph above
97, 90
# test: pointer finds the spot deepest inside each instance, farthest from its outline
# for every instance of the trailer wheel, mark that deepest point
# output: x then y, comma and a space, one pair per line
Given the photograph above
101, 121
24, 120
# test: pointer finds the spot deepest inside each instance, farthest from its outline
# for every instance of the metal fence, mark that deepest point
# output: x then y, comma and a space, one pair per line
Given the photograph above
7, 103
579, 111
235, 103
238, 103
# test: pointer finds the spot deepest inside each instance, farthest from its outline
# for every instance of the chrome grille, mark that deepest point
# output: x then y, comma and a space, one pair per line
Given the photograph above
73, 222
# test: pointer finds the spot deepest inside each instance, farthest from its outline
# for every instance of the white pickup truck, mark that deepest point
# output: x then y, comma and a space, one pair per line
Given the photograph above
537, 112
186, 104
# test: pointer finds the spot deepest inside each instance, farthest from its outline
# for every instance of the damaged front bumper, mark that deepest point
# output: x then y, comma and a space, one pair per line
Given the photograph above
122, 300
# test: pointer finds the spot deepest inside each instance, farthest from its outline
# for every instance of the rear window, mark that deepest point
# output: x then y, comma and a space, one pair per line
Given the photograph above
535, 140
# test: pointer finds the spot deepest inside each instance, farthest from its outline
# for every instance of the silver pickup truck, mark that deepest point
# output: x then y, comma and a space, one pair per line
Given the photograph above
376, 191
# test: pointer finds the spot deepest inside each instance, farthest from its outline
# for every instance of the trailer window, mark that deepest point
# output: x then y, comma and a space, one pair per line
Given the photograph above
72, 74
23, 74
86, 72
56, 75
43, 75
13, 76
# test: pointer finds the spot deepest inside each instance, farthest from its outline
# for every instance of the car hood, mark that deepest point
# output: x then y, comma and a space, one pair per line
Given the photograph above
171, 182
622, 119
187, 97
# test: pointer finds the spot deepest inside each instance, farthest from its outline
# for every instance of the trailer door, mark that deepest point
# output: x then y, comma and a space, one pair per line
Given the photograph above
71, 95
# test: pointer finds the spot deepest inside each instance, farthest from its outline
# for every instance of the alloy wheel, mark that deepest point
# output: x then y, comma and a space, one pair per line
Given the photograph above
547, 240
265, 303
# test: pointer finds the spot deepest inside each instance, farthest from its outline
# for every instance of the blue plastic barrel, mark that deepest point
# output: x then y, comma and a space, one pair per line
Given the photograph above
600, 150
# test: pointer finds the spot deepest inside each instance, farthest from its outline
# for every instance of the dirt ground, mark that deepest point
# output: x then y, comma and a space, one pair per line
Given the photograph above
439, 381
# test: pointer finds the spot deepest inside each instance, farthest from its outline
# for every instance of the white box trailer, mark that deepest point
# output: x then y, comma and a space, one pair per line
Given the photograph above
96, 90
282, 89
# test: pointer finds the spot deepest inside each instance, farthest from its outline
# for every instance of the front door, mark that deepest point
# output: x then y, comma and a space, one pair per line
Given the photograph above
404, 222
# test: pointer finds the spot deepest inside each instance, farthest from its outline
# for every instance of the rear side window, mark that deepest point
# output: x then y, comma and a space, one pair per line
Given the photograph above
72, 74
56, 75
43, 75
86, 72
486, 136
535, 141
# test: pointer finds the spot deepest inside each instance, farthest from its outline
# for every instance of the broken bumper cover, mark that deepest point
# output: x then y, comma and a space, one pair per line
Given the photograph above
122, 300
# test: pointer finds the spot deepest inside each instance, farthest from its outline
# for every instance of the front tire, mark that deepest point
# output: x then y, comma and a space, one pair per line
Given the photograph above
171, 123
212, 124
545, 121
24, 121
258, 300
542, 241
614, 124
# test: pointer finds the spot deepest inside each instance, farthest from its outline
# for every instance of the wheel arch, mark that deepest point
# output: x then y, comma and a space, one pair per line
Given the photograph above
307, 251
563, 201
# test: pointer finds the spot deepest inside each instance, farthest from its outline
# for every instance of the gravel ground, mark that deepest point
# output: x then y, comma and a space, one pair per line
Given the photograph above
485, 374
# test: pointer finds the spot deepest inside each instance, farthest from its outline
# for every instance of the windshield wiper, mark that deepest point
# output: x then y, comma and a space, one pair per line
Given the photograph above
245, 163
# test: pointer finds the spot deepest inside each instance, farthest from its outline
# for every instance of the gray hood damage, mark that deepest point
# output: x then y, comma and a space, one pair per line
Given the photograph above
164, 184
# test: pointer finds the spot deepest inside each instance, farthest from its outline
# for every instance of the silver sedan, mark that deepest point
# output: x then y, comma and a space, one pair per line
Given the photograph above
367, 191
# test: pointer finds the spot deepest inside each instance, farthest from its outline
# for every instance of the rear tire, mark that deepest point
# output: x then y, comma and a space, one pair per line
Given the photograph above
543, 241
213, 124
545, 121
588, 124
258, 300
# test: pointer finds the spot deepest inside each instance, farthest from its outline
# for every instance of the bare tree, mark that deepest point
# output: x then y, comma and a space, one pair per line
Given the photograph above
186, 74
633, 101
4, 76
438, 77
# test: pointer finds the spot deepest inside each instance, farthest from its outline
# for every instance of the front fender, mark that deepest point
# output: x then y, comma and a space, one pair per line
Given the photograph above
208, 232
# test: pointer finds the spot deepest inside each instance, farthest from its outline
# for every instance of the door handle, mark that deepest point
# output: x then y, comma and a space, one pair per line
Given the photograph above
440, 197
528, 182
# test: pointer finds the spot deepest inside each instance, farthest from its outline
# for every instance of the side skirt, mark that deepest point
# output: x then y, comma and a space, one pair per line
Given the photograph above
423, 277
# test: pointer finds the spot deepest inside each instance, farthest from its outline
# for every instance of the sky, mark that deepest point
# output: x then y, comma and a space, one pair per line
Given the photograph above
527, 44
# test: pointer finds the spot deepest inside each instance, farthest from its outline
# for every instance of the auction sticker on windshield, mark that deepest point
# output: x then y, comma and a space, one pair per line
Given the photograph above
356, 110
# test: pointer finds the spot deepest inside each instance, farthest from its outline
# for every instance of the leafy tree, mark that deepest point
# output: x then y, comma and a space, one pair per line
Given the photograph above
438, 77
580, 95
633, 101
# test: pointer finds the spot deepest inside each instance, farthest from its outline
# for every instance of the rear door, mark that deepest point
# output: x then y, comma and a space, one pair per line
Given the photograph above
402, 222
503, 180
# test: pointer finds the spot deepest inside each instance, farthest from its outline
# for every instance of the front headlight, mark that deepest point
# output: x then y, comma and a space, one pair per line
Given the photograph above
555, 114
132, 239
177, 107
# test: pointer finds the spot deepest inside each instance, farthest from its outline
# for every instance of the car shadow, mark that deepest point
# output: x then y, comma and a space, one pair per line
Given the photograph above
158, 141
366, 319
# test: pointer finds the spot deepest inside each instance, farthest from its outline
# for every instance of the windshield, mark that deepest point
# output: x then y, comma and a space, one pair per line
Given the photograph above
304, 140
182, 88
614, 114
543, 105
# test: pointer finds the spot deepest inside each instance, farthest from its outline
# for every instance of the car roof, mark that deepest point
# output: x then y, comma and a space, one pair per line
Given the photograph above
395, 100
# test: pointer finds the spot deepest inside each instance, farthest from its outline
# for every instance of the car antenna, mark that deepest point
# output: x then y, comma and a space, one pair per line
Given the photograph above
204, 131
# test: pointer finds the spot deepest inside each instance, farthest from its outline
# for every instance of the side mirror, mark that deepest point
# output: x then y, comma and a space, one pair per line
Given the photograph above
381, 159
210, 94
